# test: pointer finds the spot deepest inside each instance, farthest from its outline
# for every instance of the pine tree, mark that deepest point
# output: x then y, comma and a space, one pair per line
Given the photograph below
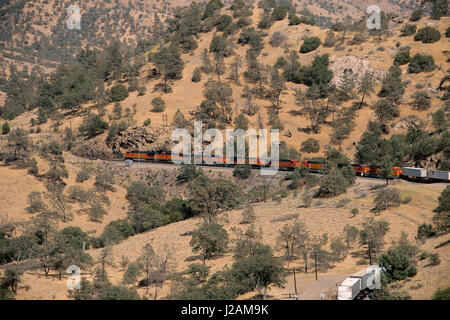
366, 86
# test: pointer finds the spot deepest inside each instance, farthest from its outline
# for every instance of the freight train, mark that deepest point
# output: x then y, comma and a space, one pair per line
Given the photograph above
363, 170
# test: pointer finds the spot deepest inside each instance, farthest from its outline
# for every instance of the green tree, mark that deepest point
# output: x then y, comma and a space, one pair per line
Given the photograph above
92, 125
210, 239
310, 145
169, 63
397, 264
372, 235
259, 271
366, 86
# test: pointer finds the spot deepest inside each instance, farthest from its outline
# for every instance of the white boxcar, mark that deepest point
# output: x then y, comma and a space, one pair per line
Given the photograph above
349, 289
370, 277
439, 175
414, 172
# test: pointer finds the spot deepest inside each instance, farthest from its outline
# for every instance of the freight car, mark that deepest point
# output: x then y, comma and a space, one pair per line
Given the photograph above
360, 284
421, 174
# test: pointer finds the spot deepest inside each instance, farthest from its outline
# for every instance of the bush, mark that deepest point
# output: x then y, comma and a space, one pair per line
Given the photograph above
277, 39
197, 75
158, 105
442, 294
397, 264
118, 293
93, 124
421, 63
402, 57
434, 259
248, 215
83, 175
338, 26
425, 231
427, 35
104, 181
387, 197
310, 44
279, 13
408, 30
421, 100
294, 19
310, 145
242, 171
119, 92
416, 15
333, 183
5, 128
447, 32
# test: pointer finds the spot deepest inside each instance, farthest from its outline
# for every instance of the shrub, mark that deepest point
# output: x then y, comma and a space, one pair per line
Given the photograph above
442, 294
104, 181
93, 124
310, 44
425, 231
158, 104
427, 35
5, 128
310, 145
248, 215
119, 92
408, 30
447, 32
83, 175
188, 172
387, 197
416, 15
402, 57
197, 75
421, 100
118, 293
277, 39
279, 13
294, 19
434, 259
76, 193
397, 264
334, 183
242, 171
421, 63
338, 26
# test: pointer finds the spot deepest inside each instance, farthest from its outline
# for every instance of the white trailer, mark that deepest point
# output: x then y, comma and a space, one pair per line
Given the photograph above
414, 172
349, 289
364, 280
439, 175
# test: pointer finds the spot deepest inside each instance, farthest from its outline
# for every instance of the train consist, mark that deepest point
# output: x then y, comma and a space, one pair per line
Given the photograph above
363, 170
